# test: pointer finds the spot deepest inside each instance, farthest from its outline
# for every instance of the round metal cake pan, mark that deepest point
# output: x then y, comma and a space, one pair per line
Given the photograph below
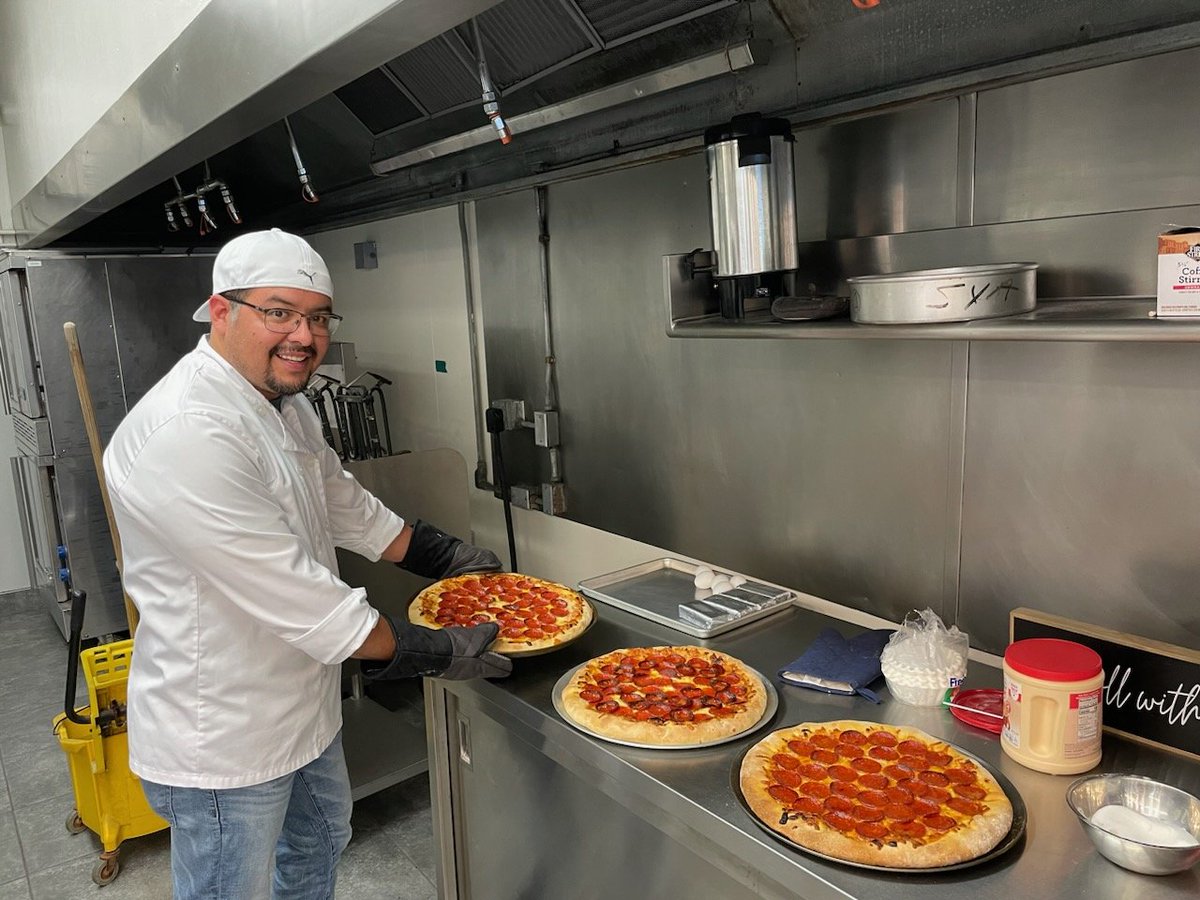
959, 294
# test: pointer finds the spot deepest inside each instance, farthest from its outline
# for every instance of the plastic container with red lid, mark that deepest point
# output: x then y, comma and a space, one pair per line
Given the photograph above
1053, 705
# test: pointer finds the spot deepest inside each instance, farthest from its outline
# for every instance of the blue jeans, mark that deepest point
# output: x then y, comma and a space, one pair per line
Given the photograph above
222, 840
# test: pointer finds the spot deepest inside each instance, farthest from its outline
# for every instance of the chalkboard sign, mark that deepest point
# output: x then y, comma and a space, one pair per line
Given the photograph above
1151, 689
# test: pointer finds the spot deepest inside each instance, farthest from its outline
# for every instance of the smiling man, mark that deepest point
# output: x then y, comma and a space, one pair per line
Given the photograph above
230, 506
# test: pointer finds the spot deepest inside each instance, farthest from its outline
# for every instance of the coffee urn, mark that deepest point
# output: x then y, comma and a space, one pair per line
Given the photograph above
752, 203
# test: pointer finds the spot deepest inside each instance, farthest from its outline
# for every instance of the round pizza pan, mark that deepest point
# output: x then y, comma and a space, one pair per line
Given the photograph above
515, 654
1015, 832
768, 713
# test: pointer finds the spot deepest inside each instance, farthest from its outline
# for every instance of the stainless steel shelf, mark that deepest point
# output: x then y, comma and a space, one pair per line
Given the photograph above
1121, 319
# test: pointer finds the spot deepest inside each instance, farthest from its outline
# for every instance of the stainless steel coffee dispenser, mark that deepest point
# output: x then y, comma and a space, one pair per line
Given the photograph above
752, 203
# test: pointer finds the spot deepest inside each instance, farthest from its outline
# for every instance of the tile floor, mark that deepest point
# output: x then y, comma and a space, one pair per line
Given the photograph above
390, 856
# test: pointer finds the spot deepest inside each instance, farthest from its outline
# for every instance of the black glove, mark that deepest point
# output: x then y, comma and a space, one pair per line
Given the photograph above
456, 653
434, 554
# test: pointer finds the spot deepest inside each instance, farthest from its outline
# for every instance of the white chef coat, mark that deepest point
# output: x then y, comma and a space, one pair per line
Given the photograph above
229, 512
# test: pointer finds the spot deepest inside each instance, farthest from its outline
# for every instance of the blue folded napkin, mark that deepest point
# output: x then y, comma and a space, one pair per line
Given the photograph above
839, 666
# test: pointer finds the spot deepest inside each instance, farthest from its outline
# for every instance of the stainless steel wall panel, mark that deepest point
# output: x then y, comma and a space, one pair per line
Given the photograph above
1082, 469
75, 290
153, 299
1108, 255
796, 464
888, 173
1116, 137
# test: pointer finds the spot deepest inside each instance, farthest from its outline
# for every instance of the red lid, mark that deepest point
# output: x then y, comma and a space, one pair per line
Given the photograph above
1052, 659
981, 707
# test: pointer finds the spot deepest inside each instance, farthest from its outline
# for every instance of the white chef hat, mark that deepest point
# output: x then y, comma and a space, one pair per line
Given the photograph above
267, 259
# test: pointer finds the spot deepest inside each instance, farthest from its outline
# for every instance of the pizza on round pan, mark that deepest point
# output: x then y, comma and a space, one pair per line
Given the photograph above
664, 696
534, 615
874, 794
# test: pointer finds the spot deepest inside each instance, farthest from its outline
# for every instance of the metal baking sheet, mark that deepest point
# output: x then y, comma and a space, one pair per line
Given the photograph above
1015, 832
768, 714
654, 590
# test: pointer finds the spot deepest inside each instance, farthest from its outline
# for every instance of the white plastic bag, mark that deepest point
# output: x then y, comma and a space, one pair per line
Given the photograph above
924, 658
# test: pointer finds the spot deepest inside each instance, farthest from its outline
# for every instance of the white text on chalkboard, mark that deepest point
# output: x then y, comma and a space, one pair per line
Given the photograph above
1178, 706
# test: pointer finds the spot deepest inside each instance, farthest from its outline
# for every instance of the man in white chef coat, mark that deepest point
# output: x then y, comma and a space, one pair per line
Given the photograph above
229, 505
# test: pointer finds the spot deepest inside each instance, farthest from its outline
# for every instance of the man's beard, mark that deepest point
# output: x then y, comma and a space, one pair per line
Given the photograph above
286, 388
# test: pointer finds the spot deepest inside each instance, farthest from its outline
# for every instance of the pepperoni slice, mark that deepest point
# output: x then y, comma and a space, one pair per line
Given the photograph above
839, 804
916, 748
848, 751
681, 715
938, 822
783, 793
872, 831
937, 794
816, 789
850, 736
964, 806
800, 748
874, 781
910, 830
844, 788
970, 791
863, 813
842, 773
916, 763
823, 755
839, 820
866, 764
608, 706
823, 740
960, 776
808, 805
786, 761
590, 695
786, 777
877, 799
899, 771
898, 795
886, 753
882, 739
918, 788
923, 806
935, 779
814, 771
899, 812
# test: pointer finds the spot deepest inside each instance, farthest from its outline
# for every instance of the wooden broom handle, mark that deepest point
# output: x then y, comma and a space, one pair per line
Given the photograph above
93, 434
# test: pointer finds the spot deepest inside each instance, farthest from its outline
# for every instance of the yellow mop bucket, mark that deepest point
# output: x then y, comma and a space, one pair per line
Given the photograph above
108, 797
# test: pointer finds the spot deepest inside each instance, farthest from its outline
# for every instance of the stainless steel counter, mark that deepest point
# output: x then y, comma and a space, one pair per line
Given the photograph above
500, 757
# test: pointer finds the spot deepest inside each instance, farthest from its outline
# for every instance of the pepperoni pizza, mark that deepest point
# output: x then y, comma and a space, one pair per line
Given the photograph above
874, 794
664, 696
533, 615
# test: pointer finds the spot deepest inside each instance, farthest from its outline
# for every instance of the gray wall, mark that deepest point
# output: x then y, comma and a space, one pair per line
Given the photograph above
889, 475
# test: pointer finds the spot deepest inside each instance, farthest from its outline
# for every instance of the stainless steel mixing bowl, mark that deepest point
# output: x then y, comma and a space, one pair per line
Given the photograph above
1148, 797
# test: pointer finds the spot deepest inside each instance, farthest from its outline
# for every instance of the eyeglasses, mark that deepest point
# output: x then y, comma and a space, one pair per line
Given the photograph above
282, 320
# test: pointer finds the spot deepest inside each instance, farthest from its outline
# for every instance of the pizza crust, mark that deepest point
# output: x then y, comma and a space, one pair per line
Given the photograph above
423, 608
966, 841
665, 734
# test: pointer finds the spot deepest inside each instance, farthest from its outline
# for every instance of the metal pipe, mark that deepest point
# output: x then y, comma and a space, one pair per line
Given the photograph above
544, 259
721, 62
551, 395
481, 468
491, 103
306, 189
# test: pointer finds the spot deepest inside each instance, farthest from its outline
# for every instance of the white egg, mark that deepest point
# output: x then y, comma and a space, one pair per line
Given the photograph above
737, 580
704, 577
721, 584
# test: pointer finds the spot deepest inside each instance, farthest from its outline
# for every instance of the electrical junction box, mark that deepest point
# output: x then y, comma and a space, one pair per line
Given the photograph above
365, 256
